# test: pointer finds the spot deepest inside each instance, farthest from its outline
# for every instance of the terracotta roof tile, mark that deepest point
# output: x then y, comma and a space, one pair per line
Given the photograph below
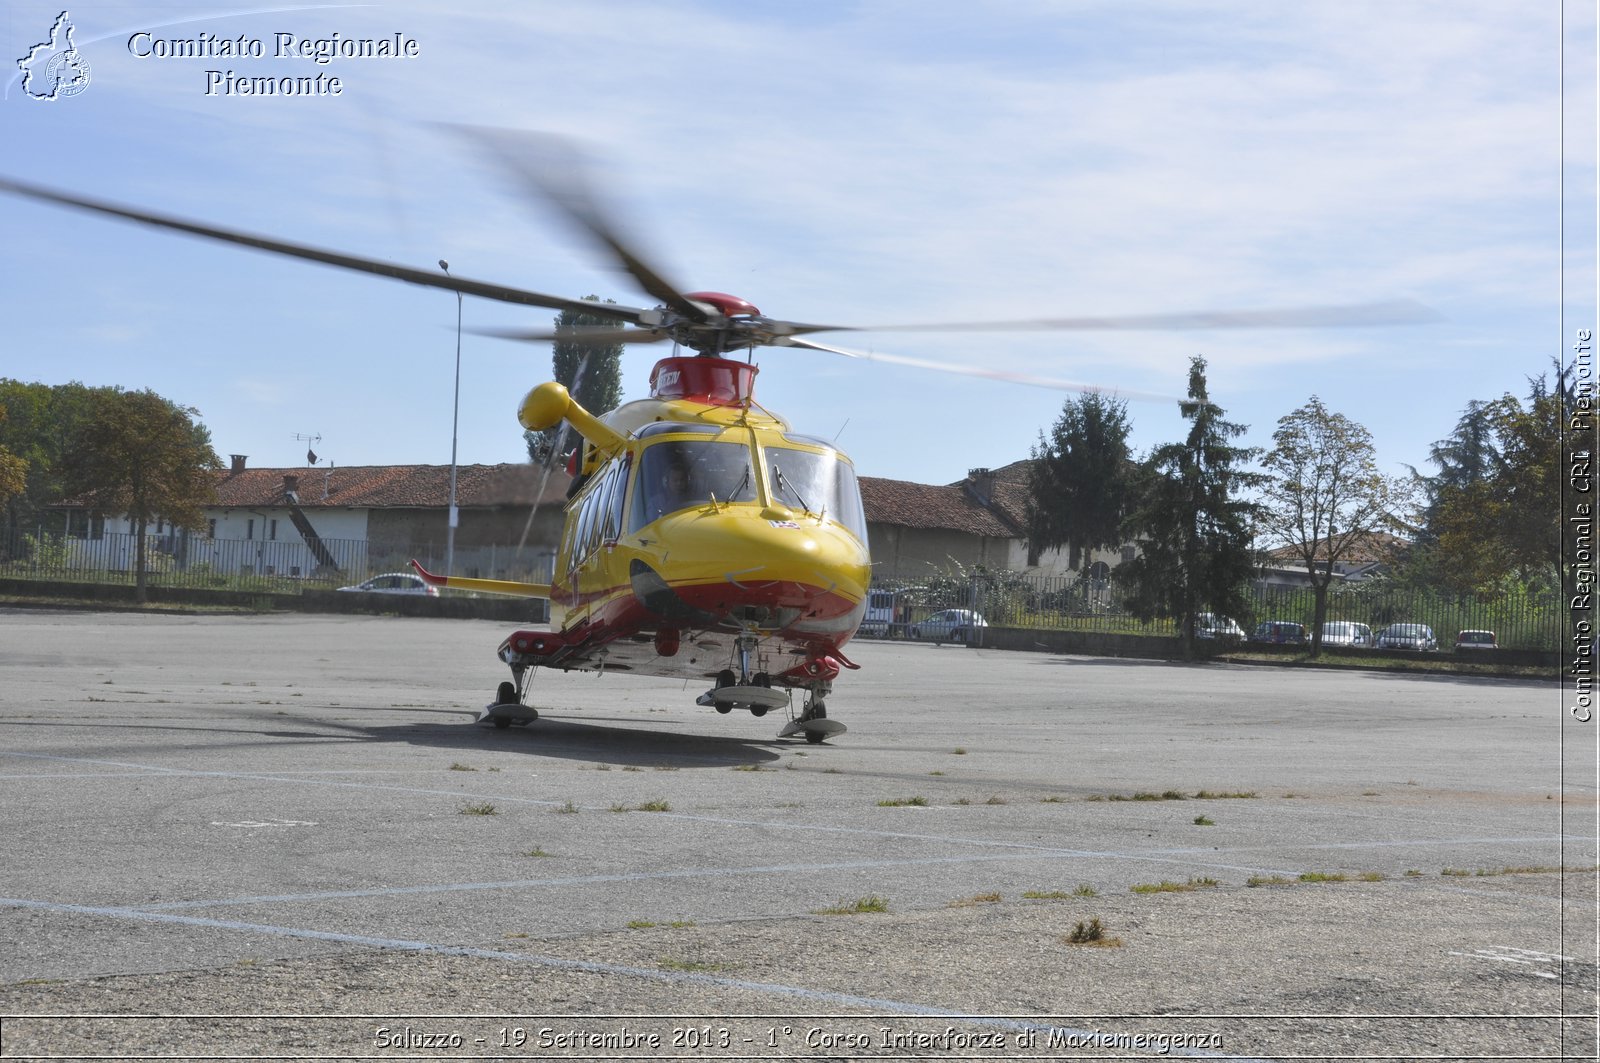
946, 508
392, 486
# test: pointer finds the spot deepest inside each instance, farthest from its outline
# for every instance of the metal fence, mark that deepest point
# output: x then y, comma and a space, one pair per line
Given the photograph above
179, 559
1069, 603
184, 559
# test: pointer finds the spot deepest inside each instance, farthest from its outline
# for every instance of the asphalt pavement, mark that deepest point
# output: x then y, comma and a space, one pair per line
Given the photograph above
284, 836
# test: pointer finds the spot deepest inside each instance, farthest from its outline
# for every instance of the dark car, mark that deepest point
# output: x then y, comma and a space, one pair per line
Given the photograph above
1408, 637
1281, 632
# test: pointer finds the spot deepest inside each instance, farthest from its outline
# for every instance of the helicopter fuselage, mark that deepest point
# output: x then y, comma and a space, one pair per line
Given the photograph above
701, 520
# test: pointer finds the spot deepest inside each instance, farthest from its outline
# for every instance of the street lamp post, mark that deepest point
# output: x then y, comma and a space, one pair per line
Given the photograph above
455, 424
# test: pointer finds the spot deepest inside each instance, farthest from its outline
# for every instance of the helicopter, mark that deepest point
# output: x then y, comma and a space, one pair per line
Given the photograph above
704, 539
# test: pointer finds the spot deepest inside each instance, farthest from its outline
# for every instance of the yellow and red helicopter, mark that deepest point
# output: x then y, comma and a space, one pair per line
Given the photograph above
704, 540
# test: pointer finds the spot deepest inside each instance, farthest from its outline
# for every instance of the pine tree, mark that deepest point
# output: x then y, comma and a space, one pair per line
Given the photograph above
1195, 530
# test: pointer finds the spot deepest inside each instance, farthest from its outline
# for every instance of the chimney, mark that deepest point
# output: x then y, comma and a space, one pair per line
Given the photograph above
982, 483
291, 484
238, 463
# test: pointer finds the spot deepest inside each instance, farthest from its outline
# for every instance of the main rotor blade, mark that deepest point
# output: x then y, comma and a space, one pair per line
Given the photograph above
1351, 315
967, 370
428, 278
593, 337
554, 169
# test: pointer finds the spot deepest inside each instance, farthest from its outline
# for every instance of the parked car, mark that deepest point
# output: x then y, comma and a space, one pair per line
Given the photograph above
1346, 633
1281, 632
1476, 640
1407, 637
395, 583
1212, 626
948, 625
879, 620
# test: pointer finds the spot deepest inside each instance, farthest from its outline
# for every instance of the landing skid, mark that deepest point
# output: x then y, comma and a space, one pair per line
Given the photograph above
813, 730
504, 714
757, 699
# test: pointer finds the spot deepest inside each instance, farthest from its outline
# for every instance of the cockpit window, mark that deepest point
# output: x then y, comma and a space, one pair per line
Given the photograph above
678, 474
817, 483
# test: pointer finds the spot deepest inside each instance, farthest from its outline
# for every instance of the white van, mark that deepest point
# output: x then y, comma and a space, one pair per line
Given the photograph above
880, 617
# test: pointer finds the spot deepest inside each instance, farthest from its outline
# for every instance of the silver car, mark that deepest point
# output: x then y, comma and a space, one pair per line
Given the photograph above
395, 583
1346, 633
948, 625
1222, 628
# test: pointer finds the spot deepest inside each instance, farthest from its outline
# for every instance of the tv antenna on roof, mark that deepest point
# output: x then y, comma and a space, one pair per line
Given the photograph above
311, 455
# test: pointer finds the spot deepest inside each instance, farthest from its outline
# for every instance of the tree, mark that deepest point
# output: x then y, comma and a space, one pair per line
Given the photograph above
39, 422
144, 456
1326, 495
1507, 524
1469, 457
13, 470
1081, 481
1195, 529
592, 372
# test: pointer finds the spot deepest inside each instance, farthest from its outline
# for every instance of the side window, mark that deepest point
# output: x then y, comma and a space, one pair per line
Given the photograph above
616, 500
585, 525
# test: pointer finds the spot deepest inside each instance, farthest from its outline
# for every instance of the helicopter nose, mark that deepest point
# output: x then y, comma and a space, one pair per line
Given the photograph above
757, 569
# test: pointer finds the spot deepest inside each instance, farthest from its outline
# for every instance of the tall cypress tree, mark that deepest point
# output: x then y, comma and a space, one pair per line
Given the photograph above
1195, 530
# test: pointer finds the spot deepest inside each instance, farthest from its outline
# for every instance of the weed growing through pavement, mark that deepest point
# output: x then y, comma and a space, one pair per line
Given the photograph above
482, 808
976, 899
1090, 933
862, 906
1174, 887
902, 802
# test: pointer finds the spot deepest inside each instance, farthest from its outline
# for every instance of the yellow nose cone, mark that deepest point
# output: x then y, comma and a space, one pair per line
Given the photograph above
544, 406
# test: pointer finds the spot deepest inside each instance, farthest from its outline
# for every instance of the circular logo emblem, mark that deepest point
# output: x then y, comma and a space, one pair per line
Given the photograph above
67, 73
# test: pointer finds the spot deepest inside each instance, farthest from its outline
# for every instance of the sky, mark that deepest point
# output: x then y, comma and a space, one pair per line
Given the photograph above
860, 163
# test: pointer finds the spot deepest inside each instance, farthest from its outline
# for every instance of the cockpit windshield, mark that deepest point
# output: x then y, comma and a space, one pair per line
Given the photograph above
677, 474
818, 483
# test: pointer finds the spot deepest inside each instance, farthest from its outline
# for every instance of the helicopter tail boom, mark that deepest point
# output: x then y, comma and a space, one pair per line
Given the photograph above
485, 586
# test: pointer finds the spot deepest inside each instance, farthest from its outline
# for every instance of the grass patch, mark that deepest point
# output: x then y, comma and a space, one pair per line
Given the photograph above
861, 906
1454, 872
1084, 890
1204, 821
1323, 876
903, 802
481, 808
1053, 799
536, 851
1268, 880
976, 899
1213, 795
1174, 887
458, 766
996, 800
1090, 933
569, 808
749, 767
691, 966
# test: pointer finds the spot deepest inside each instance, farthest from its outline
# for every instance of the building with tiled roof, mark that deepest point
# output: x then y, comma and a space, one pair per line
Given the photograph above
1370, 554
297, 521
